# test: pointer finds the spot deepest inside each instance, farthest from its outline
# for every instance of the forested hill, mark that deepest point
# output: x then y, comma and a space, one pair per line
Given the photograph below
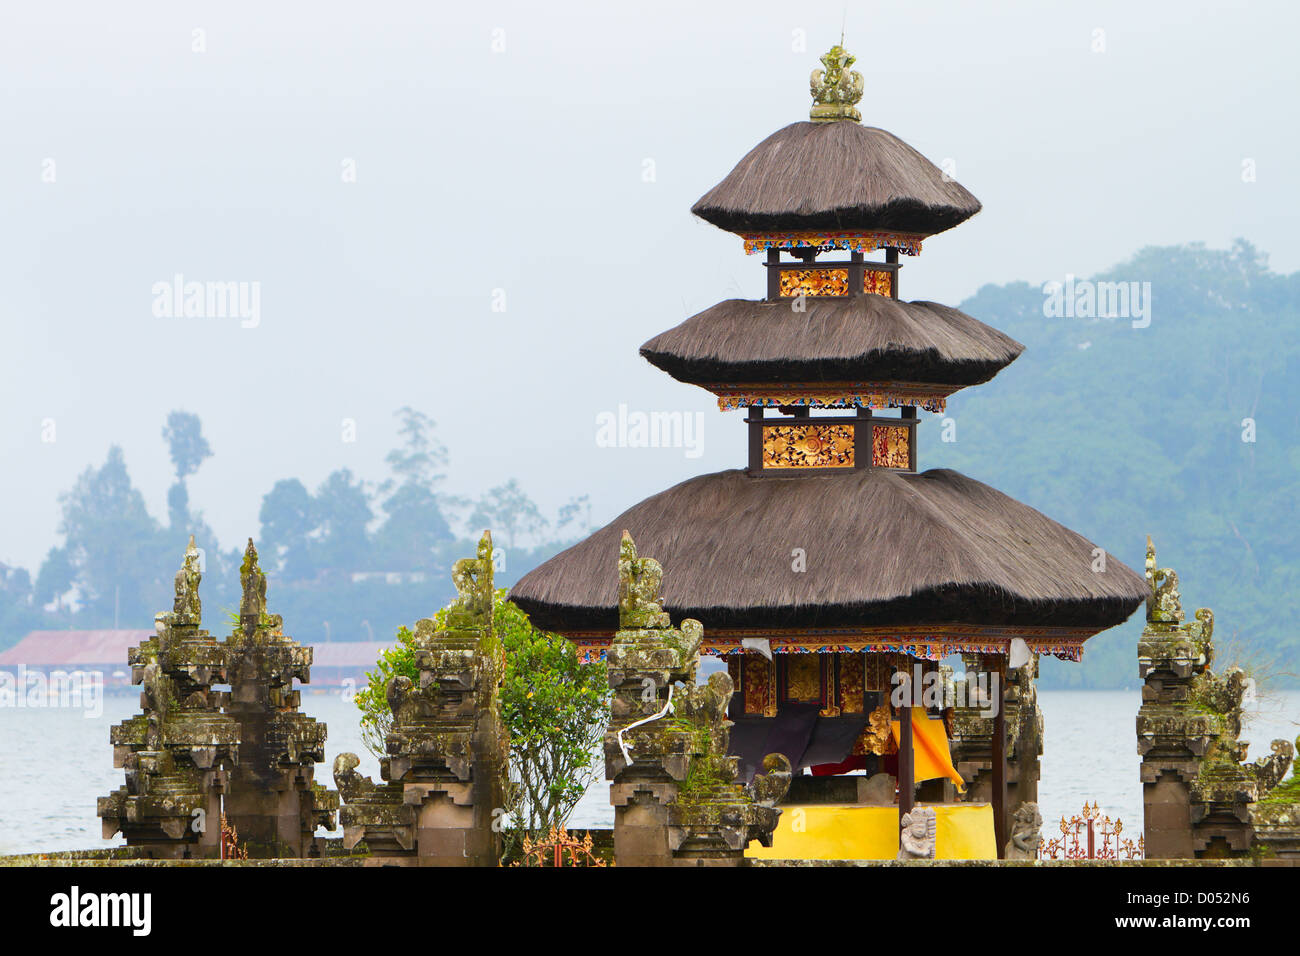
1186, 428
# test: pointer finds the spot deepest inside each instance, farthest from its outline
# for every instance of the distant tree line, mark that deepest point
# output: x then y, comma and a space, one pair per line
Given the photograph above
349, 561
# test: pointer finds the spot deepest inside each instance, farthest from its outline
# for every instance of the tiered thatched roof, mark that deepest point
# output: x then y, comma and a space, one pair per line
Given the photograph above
866, 338
835, 176
882, 548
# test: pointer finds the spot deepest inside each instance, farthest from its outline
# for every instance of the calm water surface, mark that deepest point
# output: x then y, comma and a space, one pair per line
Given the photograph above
55, 762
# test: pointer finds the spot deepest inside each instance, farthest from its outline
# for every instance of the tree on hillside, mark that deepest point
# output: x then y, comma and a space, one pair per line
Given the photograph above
342, 513
183, 433
19, 612
413, 528
419, 459
55, 578
113, 543
508, 510
576, 512
288, 518
415, 523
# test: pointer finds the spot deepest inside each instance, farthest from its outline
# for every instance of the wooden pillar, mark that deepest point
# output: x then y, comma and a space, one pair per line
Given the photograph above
1000, 766
862, 434
909, 416
773, 275
906, 764
891, 257
755, 426
906, 755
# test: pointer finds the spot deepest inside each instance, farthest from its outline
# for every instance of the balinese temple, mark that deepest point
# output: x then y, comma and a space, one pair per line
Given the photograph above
830, 561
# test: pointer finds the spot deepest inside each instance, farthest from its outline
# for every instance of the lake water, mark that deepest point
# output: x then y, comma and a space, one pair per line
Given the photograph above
54, 762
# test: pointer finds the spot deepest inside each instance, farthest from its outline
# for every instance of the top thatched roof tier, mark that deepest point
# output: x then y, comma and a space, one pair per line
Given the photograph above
835, 176
882, 548
865, 338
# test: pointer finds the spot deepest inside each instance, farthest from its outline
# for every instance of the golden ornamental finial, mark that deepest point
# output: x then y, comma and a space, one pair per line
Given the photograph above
837, 89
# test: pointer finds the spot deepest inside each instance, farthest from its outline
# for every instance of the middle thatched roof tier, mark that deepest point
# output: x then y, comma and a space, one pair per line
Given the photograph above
864, 338
880, 548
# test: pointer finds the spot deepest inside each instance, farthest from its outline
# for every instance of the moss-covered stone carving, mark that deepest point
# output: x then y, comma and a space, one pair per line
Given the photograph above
1276, 816
1164, 603
1196, 792
446, 763
672, 782
273, 802
178, 752
195, 753
1270, 770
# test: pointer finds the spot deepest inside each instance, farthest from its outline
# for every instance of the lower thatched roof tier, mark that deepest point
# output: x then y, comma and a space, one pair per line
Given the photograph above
864, 338
882, 548
838, 176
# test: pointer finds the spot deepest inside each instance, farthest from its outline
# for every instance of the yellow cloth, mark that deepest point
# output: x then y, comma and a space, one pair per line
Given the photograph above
932, 755
832, 832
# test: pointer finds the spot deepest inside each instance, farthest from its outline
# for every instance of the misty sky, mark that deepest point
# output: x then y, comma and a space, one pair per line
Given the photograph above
523, 170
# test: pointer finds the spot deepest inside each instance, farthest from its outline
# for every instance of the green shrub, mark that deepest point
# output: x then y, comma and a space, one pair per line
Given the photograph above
553, 706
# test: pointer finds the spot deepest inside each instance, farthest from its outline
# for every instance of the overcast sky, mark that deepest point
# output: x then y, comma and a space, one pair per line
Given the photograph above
506, 147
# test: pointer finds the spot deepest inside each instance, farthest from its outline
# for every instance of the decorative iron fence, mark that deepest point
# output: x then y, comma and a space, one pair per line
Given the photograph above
558, 848
1091, 836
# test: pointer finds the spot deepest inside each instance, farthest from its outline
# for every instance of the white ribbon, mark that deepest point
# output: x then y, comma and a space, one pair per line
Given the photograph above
668, 709
1019, 654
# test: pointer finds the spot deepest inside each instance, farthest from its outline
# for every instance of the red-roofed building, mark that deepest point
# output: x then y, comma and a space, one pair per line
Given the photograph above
338, 661
106, 652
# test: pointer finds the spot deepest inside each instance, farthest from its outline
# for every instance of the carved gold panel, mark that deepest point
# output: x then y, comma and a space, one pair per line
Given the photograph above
803, 677
850, 683
878, 282
808, 446
758, 685
814, 282
879, 668
891, 446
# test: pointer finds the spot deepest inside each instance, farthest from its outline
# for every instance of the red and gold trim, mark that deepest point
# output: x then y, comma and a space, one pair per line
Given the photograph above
908, 243
932, 398
927, 643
